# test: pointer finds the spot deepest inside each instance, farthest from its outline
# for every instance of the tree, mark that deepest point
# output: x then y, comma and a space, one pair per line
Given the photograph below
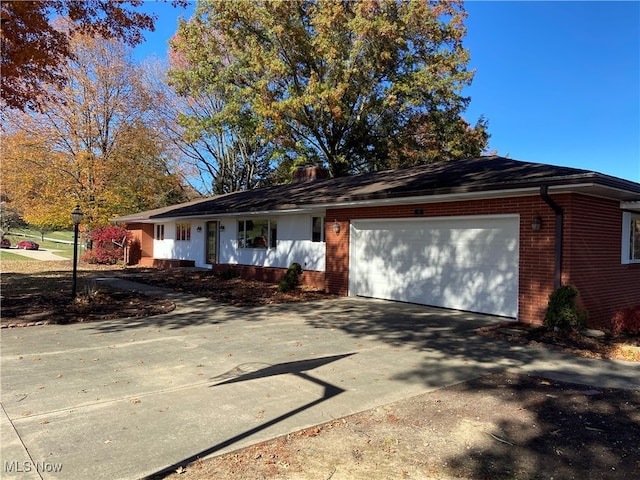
33, 49
94, 145
338, 81
214, 160
107, 244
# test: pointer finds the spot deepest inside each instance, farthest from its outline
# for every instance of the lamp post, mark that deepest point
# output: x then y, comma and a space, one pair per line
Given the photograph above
76, 217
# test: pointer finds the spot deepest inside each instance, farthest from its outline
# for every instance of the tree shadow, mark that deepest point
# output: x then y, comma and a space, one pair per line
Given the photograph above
453, 352
247, 372
575, 431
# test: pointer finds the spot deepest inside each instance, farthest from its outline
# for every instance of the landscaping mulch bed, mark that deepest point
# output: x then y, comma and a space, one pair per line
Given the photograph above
35, 295
213, 285
103, 304
583, 343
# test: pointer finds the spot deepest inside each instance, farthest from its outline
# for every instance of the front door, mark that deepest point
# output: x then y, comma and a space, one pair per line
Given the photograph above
212, 242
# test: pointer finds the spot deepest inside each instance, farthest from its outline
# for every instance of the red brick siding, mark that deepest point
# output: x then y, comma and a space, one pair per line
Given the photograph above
536, 247
593, 229
337, 252
591, 250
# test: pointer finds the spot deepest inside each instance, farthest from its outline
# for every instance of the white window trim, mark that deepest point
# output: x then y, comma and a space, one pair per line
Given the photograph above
627, 218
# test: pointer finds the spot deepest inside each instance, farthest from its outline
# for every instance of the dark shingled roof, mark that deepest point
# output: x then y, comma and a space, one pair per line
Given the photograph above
454, 177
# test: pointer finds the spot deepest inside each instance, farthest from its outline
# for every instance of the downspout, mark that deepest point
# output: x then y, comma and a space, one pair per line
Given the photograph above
557, 282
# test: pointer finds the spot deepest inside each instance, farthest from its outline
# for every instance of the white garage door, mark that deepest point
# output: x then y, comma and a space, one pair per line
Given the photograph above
465, 263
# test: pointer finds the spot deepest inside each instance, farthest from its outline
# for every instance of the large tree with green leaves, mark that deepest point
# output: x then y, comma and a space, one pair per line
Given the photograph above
359, 85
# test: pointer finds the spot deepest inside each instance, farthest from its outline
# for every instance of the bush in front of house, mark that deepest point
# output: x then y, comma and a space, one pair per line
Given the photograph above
229, 274
562, 310
626, 320
291, 278
103, 249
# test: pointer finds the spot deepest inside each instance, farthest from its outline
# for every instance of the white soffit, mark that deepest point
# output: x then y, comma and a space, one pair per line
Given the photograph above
634, 206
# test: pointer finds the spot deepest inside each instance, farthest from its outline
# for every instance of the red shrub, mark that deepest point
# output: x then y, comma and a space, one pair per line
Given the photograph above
103, 249
626, 320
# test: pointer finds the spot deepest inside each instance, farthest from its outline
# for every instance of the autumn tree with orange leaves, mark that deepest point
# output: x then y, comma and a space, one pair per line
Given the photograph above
95, 144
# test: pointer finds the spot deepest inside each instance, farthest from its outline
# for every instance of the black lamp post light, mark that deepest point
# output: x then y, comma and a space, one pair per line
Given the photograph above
76, 217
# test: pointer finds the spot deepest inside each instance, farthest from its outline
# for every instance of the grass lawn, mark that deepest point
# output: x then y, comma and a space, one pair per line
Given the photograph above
65, 235
7, 256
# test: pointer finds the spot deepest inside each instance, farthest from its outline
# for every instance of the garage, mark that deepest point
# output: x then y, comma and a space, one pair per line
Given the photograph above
465, 263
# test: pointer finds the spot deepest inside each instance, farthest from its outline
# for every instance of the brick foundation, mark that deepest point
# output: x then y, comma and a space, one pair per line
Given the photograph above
273, 275
165, 263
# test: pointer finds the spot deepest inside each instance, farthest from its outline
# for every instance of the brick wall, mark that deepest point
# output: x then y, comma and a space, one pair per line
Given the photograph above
593, 229
536, 247
310, 278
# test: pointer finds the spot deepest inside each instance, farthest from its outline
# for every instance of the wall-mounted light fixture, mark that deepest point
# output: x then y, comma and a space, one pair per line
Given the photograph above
536, 223
199, 228
336, 227
222, 228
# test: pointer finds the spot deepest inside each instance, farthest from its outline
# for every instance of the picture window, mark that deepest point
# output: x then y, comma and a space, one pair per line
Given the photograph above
257, 233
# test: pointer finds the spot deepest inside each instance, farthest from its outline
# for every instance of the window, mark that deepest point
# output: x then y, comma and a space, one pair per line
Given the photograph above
317, 229
183, 231
631, 238
257, 233
159, 232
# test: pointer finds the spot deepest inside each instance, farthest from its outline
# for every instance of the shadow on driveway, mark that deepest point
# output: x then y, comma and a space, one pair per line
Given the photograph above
246, 372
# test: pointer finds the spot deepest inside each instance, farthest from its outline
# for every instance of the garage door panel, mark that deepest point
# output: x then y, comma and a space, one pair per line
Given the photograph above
469, 264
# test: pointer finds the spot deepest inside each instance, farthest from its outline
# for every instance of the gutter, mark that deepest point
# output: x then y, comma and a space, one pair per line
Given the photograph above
557, 282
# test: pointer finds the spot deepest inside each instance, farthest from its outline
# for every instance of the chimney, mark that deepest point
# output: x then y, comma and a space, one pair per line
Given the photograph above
309, 173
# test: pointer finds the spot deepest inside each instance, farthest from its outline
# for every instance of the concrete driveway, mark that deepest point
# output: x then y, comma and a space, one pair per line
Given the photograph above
124, 399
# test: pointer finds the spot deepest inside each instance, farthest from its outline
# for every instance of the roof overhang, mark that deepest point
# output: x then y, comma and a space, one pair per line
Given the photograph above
261, 213
461, 180
591, 189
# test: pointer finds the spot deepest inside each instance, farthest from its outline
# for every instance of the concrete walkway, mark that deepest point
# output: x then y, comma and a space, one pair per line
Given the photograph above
124, 399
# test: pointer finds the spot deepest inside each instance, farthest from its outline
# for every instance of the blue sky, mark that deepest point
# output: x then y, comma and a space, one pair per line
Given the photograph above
559, 82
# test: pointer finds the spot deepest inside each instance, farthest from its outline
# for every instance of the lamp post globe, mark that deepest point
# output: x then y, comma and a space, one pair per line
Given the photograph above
76, 215
76, 218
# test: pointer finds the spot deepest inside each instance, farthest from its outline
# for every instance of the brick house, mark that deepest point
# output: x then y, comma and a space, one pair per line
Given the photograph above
490, 235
